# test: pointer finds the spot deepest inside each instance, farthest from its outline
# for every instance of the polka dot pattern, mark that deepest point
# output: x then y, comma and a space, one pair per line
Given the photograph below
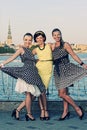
28, 72
65, 73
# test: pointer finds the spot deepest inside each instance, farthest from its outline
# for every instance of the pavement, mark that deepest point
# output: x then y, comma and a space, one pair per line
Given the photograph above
73, 123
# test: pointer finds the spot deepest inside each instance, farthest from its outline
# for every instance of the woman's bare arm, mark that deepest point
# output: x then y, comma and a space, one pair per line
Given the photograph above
16, 54
34, 51
52, 46
69, 49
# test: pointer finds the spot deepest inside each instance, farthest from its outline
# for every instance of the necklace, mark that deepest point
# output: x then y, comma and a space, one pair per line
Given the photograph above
42, 48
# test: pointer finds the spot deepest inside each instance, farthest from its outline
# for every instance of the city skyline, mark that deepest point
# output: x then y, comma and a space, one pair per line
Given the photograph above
29, 16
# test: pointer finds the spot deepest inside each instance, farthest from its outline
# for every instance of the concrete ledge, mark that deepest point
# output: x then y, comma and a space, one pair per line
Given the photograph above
52, 105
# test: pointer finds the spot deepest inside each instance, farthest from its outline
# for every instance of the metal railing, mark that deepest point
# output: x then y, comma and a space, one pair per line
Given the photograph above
7, 89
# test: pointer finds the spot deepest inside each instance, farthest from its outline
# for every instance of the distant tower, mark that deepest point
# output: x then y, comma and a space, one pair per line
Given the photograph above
9, 37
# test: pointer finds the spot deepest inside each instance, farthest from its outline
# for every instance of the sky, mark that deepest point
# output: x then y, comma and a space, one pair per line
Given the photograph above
70, 16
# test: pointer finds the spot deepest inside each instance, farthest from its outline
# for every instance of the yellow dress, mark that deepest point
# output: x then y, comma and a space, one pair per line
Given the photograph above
44, 65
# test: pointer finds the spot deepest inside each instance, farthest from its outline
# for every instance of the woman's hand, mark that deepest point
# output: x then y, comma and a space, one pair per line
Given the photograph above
1, 65
84, 66
37, 60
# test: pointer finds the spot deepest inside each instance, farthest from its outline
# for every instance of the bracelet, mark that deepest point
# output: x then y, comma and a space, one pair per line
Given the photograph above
81, 63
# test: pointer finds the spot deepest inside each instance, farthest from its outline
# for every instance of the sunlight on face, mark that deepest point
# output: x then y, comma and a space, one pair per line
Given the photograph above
27, 40
56, 36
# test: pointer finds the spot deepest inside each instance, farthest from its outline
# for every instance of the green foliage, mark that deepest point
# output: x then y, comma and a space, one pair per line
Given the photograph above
6, 49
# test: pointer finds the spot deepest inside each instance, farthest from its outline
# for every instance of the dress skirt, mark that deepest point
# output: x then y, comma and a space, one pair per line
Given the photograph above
68, 74
22, 87
28, 72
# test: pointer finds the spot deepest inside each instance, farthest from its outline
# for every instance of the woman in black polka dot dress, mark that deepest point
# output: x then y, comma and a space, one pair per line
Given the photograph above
66, 73
28, 73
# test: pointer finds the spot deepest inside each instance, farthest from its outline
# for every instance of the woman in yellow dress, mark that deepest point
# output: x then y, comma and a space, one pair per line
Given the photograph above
44, 65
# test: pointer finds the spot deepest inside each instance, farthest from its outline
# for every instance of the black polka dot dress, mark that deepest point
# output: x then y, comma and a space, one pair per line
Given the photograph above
28, 72
65, 73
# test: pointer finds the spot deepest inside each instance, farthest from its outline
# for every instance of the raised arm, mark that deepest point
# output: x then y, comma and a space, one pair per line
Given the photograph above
35, 44
16, 54
69, 49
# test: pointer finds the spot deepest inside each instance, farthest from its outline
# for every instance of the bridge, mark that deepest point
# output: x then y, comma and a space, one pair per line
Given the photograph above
8, 96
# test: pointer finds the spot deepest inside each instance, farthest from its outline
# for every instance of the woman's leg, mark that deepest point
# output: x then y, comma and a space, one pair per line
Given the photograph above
41, 107
68, 99
44, 102
28, 101
65, 110
16, 111
65, 106
21, 106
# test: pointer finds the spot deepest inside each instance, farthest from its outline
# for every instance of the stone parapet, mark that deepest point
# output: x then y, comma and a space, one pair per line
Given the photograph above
52, 105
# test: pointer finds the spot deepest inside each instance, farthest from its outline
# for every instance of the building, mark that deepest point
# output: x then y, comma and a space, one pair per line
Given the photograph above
79, 48
9, 37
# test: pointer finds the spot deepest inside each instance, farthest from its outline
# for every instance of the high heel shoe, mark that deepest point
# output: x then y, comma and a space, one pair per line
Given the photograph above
80, 117
14, 114
66, 116
42, 115
46, 117
27, 117
42, 118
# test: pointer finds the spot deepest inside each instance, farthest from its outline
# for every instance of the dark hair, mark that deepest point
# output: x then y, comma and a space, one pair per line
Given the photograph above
38, 33
56, 30
28, 34
61, 40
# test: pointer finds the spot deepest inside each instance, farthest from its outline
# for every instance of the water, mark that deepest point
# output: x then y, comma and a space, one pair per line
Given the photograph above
7, 85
